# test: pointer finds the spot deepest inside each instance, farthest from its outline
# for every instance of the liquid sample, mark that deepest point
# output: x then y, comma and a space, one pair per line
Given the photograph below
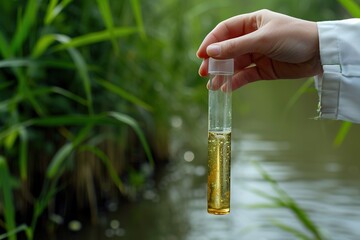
219, 160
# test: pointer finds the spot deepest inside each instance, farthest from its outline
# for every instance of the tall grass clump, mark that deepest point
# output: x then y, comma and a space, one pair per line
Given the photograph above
87, 91
71, 119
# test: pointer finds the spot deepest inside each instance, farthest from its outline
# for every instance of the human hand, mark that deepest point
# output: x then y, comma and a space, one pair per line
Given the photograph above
265, 46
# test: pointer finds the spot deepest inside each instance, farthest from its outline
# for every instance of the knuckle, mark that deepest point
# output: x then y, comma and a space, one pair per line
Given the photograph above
229, 47
264, 11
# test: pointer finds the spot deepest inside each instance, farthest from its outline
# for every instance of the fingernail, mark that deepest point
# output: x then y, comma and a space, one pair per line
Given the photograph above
213, 50
197, 54
201, 71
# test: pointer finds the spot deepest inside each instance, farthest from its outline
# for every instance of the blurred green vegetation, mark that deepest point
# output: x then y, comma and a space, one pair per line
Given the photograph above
87, 91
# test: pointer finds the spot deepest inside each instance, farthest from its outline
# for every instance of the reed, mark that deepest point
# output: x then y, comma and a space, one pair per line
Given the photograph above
284, 200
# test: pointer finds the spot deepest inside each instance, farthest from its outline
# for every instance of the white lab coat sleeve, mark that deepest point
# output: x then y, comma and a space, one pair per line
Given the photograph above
339, 85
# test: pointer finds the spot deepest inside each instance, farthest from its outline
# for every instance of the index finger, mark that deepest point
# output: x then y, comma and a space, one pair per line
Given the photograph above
231, 28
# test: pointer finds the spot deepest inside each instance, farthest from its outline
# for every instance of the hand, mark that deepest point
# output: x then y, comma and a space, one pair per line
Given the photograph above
265, 46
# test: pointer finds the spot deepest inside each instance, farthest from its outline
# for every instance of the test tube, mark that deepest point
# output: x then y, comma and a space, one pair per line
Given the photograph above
219, 135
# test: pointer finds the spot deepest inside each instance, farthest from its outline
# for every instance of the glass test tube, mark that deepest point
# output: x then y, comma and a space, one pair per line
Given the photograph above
219, 135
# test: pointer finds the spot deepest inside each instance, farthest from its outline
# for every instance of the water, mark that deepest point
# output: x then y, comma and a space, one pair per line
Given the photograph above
327, 189
294, 150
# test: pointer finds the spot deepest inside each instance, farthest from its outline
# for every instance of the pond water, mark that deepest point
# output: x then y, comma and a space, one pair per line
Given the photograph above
294, 149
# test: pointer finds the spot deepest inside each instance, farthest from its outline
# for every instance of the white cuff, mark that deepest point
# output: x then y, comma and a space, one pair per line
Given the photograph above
339, 85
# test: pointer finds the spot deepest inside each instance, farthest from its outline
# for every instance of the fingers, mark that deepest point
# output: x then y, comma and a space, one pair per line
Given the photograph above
231, 28
239, 63
203, 70
235, 47
217, 82
240, 79
247, 75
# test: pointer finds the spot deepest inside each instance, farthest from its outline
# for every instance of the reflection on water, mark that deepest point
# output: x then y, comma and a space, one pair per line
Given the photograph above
323, 180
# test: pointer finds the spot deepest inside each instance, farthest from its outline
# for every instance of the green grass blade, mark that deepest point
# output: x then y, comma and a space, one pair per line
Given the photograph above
104, 7
305, 220
45, 91
105, 159
42, 44
21, 228
50, 11
14, 63
274, 199
77, 58
10, 139
342, 133
58, 159
5, 50
132, 123
48, 191
352, 7
69, 95
296, 96
81, 67
96, 37
9, 104
290, 204
136, 7
14, 128
25, 24
84, 75
23, 163
65, 151
263, 205
54, 10
64, 64
67, 120
7, 198
291, 230
124, 94
282, 194
26, 92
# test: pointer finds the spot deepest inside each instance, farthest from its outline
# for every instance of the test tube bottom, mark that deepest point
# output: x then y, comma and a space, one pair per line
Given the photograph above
219, 211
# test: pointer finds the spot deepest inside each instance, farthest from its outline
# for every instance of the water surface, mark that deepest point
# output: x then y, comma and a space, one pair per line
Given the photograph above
294, 149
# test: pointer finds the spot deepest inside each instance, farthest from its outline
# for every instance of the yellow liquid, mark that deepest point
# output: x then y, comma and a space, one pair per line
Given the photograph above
219, 161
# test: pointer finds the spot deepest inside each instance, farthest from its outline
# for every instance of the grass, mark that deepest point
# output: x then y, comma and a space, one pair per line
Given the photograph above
7, 198
283, 200
37, 104
351, 6
304, 88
